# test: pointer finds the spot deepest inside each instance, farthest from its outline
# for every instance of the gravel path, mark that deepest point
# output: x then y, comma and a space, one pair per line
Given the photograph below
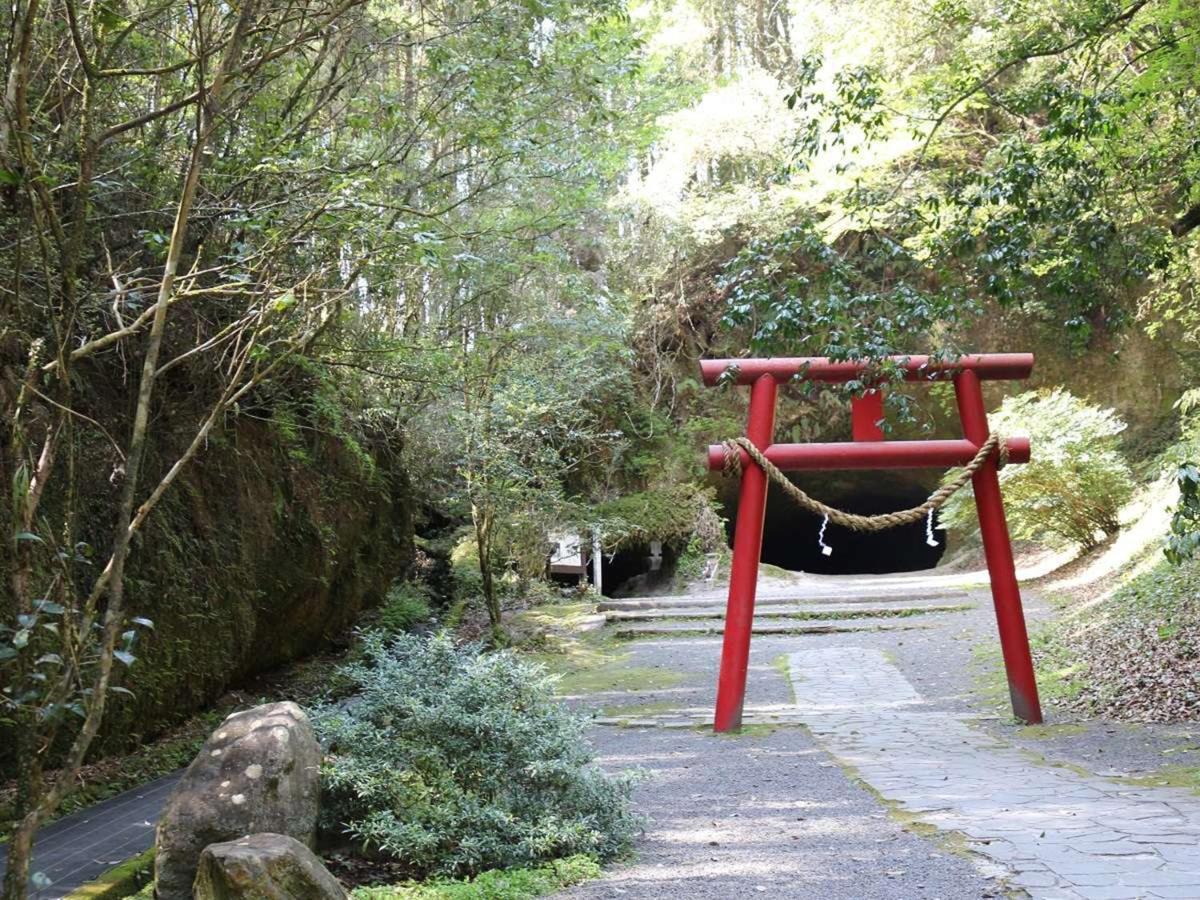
764, 813
813, 803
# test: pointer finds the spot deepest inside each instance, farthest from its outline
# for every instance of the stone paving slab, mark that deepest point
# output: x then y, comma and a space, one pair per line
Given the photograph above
1062, 835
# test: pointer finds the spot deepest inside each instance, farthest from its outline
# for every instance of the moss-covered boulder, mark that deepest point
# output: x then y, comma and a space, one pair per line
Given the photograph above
258, 772
264, 867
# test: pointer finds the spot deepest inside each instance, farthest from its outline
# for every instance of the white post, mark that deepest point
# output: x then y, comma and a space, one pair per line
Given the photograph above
597, 560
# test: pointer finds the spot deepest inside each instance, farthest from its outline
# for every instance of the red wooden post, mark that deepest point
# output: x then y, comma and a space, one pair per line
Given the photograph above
743, 571
1006, 595
866, 412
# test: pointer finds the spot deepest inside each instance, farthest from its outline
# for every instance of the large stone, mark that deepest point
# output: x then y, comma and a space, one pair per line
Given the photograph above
263, 867
258, 772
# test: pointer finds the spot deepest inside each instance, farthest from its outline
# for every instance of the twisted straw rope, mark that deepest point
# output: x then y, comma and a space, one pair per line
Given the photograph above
853, 521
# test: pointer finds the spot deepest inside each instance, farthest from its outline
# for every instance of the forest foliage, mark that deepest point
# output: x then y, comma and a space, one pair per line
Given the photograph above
494, 237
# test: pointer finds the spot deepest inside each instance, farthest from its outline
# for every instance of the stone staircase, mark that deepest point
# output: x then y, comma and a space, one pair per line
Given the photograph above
798, 612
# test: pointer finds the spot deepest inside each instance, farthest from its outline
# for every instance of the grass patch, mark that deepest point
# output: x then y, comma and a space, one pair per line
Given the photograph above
496, 884
1046, 732
557, 615
746, 731
616, 676
131, 878
1168, 776
989, 683
781, 665
775, 571
595, 663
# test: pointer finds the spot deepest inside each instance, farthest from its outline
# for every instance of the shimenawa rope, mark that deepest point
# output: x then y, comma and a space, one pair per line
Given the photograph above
936, 500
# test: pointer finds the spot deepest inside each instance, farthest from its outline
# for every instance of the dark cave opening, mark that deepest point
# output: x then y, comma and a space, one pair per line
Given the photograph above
634, 570
790, 533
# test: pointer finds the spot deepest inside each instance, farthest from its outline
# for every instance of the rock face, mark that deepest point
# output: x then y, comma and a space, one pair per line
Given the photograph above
263, 867
321, 532
258, 772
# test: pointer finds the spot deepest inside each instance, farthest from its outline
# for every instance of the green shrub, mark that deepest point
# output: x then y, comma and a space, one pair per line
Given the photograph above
466, 580
495, 884
1183, 539
1075, 484
407, 604
452, 761
671, 514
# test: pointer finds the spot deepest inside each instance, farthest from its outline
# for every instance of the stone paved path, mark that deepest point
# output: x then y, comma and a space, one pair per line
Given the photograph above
80, 847
1062, 834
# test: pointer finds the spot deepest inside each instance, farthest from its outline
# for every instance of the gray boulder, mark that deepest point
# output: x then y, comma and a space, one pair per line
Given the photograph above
264, 867
258, 772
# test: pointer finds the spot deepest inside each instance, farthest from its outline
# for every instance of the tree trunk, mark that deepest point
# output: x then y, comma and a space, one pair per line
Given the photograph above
42, 802
484, 522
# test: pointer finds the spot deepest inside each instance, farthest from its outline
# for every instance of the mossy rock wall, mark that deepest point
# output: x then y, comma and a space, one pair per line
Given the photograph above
268, 547
260, 557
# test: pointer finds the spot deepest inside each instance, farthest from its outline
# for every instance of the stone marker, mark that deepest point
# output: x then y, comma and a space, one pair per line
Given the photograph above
264, 867
258, 772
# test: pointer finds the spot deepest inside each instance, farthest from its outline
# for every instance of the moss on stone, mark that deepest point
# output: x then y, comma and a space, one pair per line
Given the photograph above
253, 559
132, 878
616, 677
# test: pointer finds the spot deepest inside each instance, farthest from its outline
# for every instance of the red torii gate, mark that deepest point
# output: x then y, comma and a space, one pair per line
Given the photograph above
870, 451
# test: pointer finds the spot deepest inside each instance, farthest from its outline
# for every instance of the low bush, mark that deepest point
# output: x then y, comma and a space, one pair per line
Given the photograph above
406, 605
451, 761
1072, 490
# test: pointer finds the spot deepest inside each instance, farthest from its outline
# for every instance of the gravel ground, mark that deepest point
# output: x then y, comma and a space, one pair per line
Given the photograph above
771, 813
766, 812
944, 663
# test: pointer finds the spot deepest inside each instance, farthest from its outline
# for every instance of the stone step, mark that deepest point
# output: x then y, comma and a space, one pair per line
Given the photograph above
704, 627
700, 718
791, 599
810, 611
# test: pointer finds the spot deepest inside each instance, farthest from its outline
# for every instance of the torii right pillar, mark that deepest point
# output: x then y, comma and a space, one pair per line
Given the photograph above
997, 549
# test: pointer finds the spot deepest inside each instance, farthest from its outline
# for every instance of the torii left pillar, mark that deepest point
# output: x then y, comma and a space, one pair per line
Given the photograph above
743, 570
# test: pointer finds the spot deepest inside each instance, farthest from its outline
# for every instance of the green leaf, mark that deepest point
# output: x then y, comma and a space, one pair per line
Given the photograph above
27, 536
9, 178
124, 656
49, 607
143, 621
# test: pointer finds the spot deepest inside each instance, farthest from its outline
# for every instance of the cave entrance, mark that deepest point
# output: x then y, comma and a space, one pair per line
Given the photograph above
790, 532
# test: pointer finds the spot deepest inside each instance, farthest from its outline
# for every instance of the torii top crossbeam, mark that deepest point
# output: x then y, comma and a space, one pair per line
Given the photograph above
986, 366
